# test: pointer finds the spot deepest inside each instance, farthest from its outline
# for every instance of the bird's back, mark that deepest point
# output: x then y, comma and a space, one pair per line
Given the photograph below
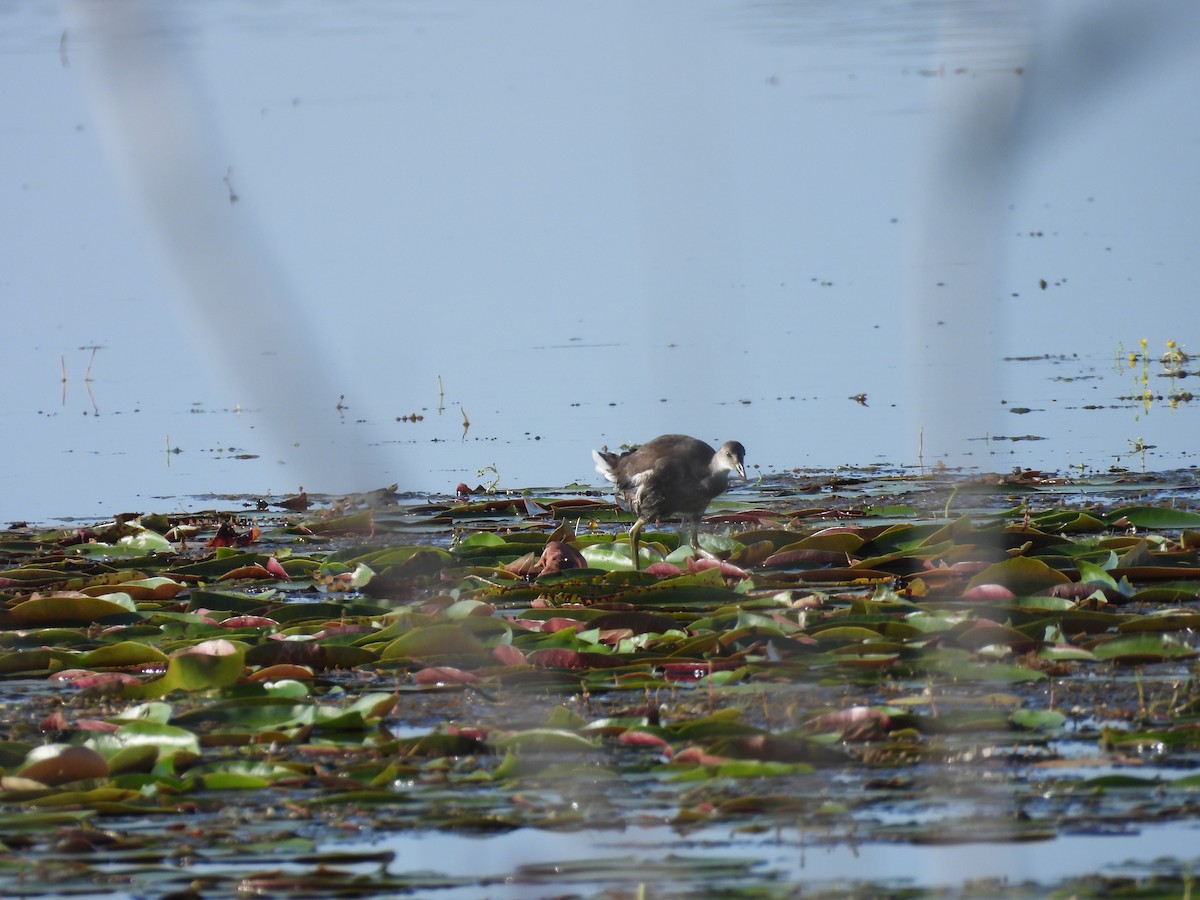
671, 474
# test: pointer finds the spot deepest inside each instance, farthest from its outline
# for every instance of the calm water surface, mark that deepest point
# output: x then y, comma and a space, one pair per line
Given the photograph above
785, 856
574, 225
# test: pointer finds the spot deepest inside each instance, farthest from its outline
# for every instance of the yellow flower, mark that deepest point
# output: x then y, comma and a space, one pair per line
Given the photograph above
1170, 345
1143, 342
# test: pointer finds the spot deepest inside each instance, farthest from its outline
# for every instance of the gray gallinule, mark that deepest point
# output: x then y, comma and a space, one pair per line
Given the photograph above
672, 474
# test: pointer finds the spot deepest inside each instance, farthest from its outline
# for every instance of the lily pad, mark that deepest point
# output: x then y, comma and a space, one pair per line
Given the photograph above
70, 609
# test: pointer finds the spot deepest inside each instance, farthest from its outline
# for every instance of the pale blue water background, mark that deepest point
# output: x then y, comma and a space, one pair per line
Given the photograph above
595, 223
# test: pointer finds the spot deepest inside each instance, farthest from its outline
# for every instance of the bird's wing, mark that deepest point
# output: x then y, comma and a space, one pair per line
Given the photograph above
606, 464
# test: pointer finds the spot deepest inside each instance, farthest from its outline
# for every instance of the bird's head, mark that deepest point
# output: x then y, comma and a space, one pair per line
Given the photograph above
731, 458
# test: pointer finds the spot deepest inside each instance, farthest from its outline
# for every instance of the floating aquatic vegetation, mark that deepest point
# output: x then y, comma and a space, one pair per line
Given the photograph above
467, 667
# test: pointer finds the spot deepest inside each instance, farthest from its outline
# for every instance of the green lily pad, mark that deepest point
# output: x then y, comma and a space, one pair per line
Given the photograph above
71, 609
434, 642
204, 667
546, 740
1155, 517
169, 740
1144, 647
1021, 575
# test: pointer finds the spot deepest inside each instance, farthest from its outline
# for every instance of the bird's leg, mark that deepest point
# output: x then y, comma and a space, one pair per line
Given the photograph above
633, 542
693, 526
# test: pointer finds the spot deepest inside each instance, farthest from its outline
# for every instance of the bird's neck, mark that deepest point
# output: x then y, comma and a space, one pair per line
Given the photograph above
717, 480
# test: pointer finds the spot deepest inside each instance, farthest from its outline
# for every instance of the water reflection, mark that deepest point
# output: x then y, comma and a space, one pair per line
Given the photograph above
507, 862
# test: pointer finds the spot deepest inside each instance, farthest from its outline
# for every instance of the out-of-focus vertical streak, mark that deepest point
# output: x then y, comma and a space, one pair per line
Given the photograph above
149, 116
1018, 81
991, 120
954, 270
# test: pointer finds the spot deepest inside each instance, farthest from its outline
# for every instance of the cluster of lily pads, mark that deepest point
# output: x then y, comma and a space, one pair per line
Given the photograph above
258, 684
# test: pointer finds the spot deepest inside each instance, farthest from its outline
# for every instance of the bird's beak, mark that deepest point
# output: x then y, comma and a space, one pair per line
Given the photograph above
741, 470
